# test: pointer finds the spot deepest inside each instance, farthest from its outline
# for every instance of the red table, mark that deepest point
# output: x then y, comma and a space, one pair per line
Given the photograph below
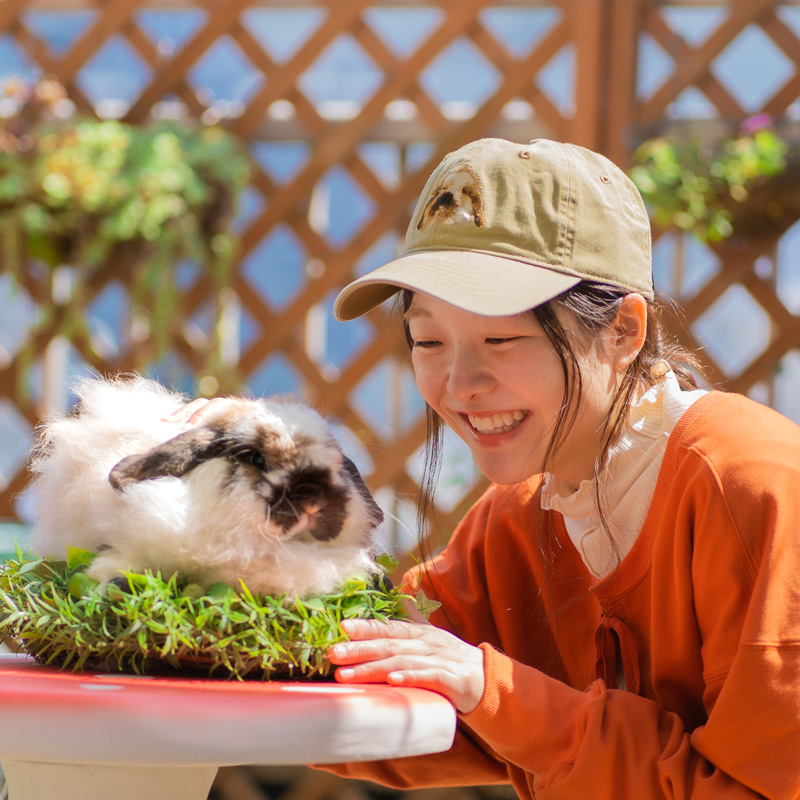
92, 735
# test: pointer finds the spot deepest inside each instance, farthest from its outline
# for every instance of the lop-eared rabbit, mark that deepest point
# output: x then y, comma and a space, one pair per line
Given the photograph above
260, 491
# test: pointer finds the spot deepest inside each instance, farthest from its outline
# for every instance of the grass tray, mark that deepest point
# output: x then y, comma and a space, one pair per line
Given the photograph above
152, 625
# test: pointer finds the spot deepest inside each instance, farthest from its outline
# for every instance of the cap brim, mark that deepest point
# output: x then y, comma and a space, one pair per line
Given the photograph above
481, 283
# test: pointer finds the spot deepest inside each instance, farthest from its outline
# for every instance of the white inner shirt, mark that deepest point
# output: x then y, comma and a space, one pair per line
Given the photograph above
627, 482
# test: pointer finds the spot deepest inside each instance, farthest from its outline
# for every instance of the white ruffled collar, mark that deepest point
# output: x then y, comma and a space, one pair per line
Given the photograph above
627, 481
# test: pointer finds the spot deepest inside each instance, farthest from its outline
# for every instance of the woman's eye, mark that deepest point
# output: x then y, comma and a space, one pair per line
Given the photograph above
501, 339
425, 343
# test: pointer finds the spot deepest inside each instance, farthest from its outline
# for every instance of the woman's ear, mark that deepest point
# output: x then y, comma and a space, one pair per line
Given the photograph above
629, 329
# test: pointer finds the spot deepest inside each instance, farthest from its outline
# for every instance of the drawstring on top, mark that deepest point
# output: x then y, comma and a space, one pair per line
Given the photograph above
614, 639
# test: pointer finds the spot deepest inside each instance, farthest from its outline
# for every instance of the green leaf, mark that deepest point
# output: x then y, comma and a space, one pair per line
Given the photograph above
425, 605
388, 562
81, 585
220, 589
31, 567
44, 568
76, 558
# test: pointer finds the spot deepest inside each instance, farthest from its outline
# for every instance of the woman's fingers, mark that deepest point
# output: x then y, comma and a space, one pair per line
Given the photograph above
196, 412
373, 642
431, 679
357, 629
406, 654
375, 650
183, 413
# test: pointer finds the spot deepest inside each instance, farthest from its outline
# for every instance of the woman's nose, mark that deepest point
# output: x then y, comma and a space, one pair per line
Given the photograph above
468, 376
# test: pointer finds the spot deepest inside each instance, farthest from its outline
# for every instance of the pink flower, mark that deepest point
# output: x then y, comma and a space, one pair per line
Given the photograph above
756, 123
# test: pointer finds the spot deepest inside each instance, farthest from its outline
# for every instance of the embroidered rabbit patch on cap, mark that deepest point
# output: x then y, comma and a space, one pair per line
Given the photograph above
457, 199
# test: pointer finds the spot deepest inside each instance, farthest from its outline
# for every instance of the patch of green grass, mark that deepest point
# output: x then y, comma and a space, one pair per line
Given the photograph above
63, 618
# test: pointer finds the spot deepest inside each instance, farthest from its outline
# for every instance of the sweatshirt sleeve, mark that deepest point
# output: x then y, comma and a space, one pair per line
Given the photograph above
601, 743
467, 763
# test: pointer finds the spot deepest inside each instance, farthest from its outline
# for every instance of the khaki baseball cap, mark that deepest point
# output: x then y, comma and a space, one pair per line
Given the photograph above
501, 228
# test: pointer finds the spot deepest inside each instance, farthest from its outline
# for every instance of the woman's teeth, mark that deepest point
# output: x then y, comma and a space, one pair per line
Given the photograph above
498, 423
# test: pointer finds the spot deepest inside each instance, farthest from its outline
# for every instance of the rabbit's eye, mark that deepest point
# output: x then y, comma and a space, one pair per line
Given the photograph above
252, 457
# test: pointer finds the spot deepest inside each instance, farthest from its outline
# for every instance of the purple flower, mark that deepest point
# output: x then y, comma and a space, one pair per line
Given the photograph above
756, 123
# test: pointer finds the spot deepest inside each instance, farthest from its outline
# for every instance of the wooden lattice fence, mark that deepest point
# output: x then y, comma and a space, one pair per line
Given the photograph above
338, 164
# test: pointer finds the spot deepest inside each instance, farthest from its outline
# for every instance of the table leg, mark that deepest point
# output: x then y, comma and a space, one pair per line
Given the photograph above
39, 780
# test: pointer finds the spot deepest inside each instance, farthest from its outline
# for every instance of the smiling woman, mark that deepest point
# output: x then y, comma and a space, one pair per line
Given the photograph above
615, 618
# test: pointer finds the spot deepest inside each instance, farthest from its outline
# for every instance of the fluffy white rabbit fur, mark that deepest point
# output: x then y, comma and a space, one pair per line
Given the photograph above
259, 492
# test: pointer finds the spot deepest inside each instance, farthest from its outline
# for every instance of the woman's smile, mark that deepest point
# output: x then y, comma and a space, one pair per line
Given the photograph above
493, 424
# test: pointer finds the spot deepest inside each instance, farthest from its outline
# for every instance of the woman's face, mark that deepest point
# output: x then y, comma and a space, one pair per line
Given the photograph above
498, 383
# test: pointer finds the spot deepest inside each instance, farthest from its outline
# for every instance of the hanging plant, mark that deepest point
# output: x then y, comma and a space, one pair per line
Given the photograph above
91, 199
714, 188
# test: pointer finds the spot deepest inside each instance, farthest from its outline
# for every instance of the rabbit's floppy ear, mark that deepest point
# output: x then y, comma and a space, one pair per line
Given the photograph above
174, 458
375, 513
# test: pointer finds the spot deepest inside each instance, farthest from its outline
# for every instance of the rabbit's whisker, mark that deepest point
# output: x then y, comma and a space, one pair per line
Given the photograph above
400, 524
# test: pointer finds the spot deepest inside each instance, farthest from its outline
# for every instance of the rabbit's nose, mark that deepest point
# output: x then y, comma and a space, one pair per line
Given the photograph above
287, 511
321, 517
283, 511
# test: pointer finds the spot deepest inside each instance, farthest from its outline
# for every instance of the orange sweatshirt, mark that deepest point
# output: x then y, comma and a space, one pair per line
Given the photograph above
702, 617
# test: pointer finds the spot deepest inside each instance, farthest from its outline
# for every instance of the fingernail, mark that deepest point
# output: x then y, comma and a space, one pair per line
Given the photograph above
345, 674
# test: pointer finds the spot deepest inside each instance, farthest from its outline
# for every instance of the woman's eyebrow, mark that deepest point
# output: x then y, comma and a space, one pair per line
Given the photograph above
416, 312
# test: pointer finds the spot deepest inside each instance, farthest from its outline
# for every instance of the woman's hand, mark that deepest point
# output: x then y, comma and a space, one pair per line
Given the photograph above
409, 654
195, 412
